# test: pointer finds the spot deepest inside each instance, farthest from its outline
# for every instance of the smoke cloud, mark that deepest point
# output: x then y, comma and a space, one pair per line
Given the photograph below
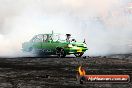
105, 24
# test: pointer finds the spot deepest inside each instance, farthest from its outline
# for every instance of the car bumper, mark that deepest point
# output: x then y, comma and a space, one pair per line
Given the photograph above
75, 50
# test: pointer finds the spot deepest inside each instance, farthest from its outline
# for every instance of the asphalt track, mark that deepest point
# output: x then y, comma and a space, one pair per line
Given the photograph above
53, 72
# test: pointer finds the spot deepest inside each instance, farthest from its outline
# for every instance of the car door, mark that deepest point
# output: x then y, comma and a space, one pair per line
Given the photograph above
37, 42
46, 44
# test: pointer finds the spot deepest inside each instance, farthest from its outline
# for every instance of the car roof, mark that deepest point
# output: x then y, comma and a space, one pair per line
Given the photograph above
49, 34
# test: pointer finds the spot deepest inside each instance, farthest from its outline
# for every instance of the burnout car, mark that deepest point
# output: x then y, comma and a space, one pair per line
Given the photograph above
52, 44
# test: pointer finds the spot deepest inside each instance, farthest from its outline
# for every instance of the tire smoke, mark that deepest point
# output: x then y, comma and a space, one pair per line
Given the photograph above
106, 24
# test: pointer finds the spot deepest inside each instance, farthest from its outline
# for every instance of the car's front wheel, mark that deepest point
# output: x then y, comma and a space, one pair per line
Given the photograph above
60, 52
79, 54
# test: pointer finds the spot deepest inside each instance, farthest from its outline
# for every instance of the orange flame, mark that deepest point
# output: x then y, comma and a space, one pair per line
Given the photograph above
81, 71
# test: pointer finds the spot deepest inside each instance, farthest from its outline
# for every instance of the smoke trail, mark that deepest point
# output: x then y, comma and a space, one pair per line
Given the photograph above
106, 25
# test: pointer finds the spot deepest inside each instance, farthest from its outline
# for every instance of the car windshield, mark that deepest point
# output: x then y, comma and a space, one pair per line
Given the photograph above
55, 37
61, 37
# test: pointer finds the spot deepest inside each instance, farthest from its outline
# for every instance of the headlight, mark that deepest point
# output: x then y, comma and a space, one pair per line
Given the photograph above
70, 45
84, 45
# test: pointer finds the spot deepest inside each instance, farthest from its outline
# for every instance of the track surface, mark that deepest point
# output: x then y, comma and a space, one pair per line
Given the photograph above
51, 72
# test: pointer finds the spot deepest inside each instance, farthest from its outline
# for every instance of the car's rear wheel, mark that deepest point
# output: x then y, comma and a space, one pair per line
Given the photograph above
32, 50
60, 52
79, 54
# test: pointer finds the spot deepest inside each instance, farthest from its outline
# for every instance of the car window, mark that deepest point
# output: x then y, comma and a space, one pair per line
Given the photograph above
62, 37
55, 37
38, 38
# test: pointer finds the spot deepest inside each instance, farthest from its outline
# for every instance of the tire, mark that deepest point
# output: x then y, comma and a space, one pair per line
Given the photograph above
79, 54
32, 50
60, 52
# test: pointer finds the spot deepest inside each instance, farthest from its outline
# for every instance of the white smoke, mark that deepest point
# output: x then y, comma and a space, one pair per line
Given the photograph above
106, 24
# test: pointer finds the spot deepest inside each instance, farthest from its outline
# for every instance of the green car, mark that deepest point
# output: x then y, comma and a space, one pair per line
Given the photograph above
52, 44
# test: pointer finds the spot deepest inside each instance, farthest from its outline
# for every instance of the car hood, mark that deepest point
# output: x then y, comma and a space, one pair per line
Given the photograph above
79, 44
